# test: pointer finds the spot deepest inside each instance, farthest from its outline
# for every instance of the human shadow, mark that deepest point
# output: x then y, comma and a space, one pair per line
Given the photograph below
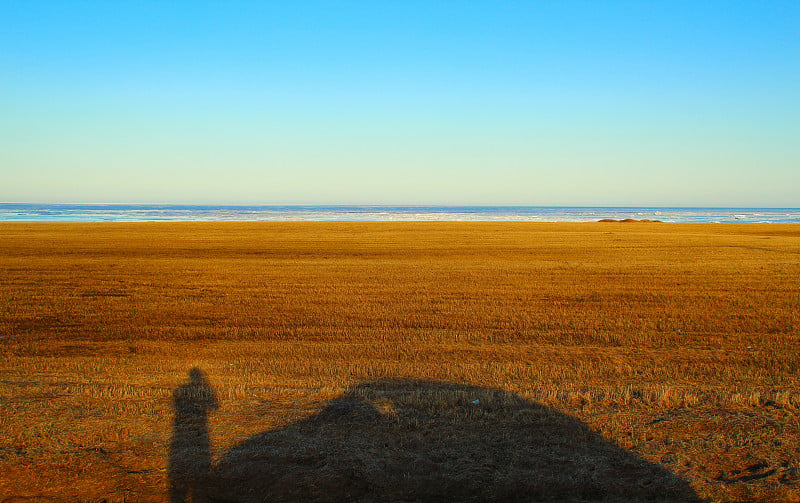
190, 448
398, 440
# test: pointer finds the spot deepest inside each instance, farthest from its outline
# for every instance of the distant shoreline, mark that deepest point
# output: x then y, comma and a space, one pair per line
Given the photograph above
24, 212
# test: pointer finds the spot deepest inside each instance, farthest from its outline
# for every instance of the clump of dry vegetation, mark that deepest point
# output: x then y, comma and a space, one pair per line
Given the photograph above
342, 351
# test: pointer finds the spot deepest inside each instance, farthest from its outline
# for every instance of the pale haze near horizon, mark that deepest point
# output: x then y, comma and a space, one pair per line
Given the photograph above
679, 104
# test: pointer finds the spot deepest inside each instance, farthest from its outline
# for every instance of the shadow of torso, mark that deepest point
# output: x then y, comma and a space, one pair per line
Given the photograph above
402, 440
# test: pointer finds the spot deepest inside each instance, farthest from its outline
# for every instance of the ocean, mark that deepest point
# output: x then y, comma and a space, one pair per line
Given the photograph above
22, 212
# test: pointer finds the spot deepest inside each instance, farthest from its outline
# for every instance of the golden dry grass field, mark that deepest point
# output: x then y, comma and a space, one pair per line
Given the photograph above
399, 362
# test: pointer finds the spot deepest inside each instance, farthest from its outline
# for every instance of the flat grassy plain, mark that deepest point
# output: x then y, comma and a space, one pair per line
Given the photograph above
399, 362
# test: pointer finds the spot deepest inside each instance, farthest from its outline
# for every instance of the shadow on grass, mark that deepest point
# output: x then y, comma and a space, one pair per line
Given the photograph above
409, 440
190, 448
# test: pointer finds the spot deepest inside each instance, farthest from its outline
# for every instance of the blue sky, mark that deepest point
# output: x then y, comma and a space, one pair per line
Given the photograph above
558, 103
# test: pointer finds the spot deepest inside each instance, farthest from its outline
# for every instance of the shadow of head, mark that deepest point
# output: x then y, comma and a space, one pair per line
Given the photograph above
196, 377
408, 440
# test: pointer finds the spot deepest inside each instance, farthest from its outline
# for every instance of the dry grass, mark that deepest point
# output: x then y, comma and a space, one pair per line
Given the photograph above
673, 348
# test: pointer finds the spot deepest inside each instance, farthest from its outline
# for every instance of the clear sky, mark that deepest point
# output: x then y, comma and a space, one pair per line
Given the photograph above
538, 103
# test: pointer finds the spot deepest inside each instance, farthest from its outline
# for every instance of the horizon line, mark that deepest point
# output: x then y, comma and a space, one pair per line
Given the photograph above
388, 205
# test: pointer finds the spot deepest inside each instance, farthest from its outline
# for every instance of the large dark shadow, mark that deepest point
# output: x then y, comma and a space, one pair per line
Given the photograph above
409, 440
